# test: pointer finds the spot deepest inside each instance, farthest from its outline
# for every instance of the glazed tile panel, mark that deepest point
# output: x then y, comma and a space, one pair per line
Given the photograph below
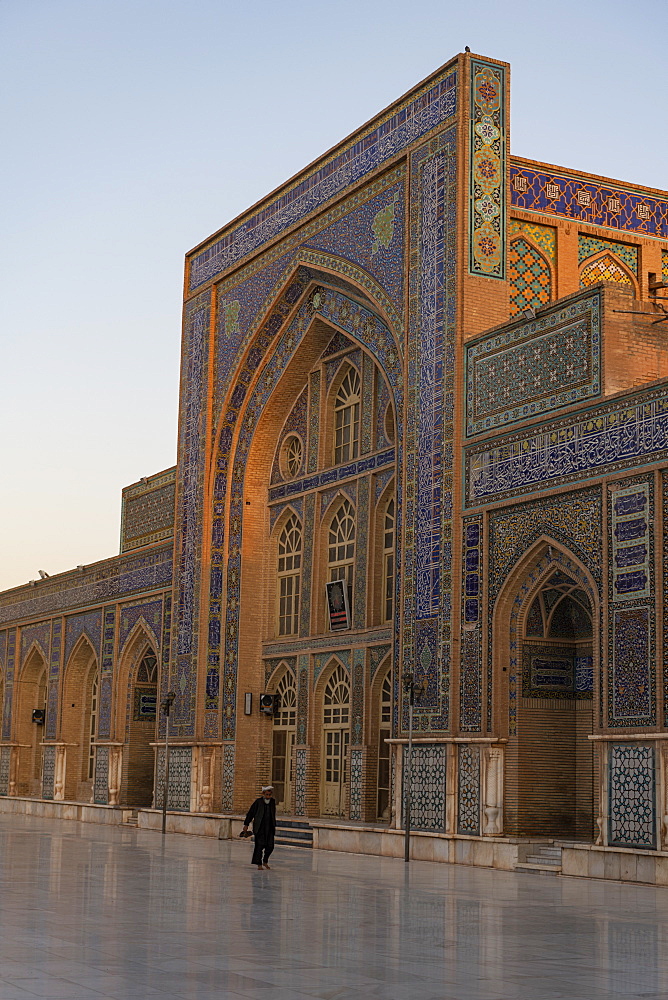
429, 108
632, 796
606, 439
487, 196
535, 366
428, 774
630, 508
588, 201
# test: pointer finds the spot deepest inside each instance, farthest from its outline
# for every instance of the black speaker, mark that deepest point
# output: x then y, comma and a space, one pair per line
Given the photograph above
269, 704
38, 716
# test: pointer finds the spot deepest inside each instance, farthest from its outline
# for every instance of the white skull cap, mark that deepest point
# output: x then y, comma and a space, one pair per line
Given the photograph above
267, 788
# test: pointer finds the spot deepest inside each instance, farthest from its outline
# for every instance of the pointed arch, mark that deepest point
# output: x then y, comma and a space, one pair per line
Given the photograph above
31, 694
78, 709
607, 266
549, 760
134, 713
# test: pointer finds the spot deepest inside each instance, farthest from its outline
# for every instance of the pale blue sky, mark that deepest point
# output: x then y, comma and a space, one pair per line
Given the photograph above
135, 128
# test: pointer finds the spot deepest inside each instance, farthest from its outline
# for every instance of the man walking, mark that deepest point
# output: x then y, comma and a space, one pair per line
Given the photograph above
262, 814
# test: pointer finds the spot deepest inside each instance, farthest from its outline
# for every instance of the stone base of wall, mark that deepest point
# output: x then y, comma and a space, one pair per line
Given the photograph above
486, 852
49, 809
619, 864
194, 824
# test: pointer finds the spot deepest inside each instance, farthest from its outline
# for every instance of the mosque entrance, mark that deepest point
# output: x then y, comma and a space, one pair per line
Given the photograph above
555, 760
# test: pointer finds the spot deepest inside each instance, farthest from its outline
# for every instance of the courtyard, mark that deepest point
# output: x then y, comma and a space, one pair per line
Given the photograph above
111, 913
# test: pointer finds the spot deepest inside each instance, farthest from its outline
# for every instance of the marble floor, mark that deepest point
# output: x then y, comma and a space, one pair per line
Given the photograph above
95, 913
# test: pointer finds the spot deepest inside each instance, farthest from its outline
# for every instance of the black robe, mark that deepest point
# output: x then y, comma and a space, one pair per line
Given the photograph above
262, 814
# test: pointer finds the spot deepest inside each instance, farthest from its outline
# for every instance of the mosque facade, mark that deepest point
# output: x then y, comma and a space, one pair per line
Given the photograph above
423, 437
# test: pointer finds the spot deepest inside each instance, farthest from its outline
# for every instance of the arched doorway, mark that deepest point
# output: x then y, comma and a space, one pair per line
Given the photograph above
78, 721
555, 760
32, 692
142, 730
283, 739
336, 739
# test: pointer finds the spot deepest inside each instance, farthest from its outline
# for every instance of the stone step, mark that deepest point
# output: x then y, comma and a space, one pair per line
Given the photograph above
544, 859
288, 842
538, 869
294, 833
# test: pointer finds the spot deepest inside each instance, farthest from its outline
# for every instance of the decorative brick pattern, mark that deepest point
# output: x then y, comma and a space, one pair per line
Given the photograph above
604, 268
543, 237
147, 510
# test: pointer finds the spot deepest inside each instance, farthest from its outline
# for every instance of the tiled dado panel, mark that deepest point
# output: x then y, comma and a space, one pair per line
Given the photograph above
586, 200
487, 171
180, 767
603, 440
632, 796
468, 789
631, 626
402, 126
428, 772
534, 366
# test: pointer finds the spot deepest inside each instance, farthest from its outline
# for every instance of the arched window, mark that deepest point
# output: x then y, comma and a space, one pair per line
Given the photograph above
347, 418
336, 720
148, 669
285, 722
384, 732
289, 570
342, 544
145, 699
388, 563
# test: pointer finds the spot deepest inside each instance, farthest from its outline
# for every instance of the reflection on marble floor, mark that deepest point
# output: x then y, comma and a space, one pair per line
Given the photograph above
89, 913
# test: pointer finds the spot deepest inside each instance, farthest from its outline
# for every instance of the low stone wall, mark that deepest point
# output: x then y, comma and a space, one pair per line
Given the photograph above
48, 809
484, 852
618, 864
194, 824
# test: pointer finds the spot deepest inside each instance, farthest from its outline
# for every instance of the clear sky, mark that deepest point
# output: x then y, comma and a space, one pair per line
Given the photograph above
132, 129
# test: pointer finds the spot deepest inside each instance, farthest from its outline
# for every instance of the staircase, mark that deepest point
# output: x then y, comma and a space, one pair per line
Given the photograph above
546, 861
293, 833
131, 818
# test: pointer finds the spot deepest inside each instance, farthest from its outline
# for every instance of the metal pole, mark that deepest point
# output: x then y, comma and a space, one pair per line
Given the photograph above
408, 777
166, 706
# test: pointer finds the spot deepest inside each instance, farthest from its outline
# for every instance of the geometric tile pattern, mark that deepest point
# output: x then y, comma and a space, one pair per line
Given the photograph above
590, 245
529, 276
432, 105
101, 785
5, 764
609, 437
428, 770
147, 510
468, 811
487, 196
54, 672
604, 268
9, 684
180, 767
664, 265
470, 679
40, 635
632, 796
300, 781
534, 366
48, 771
356, 784
543, 237
228, 776
586, 201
